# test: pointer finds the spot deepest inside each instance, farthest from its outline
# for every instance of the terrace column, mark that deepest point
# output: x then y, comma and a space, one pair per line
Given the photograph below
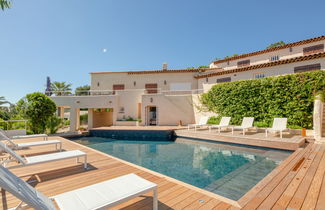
61, 112
318, 112
74, 119
90, 118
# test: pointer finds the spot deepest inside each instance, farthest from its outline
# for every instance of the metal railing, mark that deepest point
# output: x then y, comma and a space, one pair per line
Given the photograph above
151, 91
13, 124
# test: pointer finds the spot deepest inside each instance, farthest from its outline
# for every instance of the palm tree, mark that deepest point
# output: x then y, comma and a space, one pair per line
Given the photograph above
61, 88
2, 99
5, 4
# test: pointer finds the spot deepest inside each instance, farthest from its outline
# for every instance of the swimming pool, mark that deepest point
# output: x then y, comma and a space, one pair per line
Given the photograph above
227, 170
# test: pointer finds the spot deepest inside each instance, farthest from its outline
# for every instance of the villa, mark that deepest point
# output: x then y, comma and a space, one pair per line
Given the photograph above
150, 96
146, 167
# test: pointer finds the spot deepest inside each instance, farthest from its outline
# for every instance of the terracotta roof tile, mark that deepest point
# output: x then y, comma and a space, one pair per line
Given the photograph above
271, 49
264, 65
161, 71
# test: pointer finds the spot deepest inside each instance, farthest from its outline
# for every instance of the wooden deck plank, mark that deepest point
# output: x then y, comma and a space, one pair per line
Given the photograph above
285, 182
314, 190
289, 192
300, 195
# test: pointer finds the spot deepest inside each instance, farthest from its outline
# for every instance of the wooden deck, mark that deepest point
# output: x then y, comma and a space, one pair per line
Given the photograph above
298, 183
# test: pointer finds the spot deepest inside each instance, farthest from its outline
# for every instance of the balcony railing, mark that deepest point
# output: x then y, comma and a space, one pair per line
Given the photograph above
153, 91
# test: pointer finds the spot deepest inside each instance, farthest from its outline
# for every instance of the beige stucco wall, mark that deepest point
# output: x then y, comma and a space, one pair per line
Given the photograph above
171, 109
86, 101
270, 71
265, 57
128, 100
106, 80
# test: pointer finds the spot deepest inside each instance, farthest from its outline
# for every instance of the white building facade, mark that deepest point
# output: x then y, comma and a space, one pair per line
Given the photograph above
171, 97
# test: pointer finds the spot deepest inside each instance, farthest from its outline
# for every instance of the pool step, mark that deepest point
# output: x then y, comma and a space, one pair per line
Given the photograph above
249, 174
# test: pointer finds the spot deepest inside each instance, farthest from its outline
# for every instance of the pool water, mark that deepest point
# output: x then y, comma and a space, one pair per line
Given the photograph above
227, 170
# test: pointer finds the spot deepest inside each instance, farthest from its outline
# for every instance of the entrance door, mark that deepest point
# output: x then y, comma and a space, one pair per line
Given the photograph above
151, 116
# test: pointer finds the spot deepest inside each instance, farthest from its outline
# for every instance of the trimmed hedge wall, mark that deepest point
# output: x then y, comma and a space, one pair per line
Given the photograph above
290, 96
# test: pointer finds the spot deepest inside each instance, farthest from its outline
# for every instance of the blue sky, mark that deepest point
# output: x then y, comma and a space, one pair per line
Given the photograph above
64, 39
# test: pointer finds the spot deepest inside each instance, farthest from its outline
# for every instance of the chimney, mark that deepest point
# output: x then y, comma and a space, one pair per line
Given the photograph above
164, 67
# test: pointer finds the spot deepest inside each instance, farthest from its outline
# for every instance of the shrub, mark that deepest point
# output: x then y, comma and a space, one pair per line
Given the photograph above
66, 122
83, 119
53, 124
37, 108
290, 96
214, 120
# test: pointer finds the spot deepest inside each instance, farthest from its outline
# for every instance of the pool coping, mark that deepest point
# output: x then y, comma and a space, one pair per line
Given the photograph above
244, 140
236, 203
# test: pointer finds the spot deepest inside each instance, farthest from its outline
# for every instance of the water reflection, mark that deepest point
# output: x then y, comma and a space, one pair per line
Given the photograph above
224, 169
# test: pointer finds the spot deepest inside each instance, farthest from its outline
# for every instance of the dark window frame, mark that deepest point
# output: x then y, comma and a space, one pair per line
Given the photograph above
305, 68
244, 63
313, 49
224, 79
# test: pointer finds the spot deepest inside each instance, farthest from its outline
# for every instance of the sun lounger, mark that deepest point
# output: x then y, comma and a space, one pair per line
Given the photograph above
246, 124
102, 195
203, 122
279, 125
45, 136
38, 159
224, 122
31, 144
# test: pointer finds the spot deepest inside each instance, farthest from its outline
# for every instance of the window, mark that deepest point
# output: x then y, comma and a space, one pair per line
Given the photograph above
259, 75
243, 63
225, 79
313, 49
305, 68
274, 58
151, 88
118, 87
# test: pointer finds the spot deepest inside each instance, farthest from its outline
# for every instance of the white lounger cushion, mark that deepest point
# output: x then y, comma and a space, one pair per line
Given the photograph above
224, 122
246, 123
105, 194
54, 156
38, 143
29, 136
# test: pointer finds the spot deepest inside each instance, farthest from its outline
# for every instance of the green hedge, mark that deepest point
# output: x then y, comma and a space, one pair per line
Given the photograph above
290, 96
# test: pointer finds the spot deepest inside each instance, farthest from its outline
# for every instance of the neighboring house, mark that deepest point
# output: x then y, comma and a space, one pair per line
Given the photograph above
169, 97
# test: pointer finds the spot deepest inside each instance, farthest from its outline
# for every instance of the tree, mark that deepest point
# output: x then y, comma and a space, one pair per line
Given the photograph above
38, 109
5, 4
61, 88
82, 90
203, 67
276, 44
3, 101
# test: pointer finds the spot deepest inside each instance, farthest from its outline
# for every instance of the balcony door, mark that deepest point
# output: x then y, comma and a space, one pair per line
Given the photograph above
151, 88
118, 87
